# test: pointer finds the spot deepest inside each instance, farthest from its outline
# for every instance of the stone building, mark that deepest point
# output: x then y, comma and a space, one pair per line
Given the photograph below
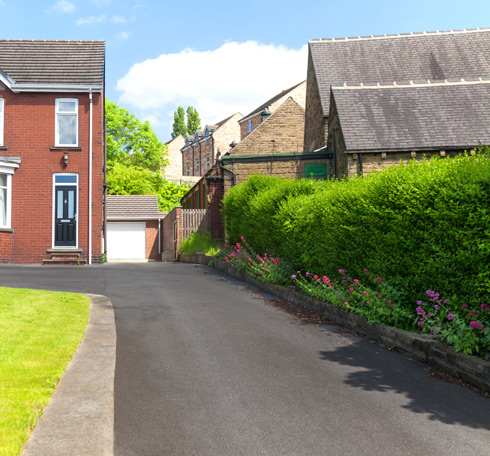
200, 150
401, 58
371, 126
252, 120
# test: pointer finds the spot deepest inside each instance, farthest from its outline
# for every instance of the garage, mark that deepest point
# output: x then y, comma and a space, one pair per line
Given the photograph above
126, 240
133, 230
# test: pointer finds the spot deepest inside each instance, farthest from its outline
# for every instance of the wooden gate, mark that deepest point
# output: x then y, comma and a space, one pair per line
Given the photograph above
194, 220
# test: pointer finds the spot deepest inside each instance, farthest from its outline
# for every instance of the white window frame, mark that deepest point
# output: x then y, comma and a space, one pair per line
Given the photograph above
249, 126
53, 215
2, 117
64, 113
8, 170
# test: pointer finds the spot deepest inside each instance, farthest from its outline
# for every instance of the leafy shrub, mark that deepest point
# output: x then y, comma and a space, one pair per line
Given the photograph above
199, 242
421, 225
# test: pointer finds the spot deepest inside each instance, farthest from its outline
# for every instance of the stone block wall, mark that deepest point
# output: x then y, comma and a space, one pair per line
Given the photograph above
282, 132
226, 134
315, 132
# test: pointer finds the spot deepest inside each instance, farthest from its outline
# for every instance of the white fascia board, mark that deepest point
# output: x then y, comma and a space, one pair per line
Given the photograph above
17, 88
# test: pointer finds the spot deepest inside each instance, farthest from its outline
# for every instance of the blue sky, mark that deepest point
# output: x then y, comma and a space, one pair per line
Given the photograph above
219, 56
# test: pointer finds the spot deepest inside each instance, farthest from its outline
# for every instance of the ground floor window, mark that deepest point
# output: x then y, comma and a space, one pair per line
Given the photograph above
4, 201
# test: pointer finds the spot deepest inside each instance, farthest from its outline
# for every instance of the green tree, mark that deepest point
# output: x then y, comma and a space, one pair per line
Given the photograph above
193, 120
179, 127
131, 141
135, 159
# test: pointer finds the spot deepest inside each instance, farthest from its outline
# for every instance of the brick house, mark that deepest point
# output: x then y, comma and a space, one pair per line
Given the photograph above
51, 151
252, 120
173, 170
371, 126
402, 58
201, 149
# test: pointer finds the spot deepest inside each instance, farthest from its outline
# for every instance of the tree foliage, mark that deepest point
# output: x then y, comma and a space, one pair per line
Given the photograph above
193, 120
179, 126
131, 141
136, 158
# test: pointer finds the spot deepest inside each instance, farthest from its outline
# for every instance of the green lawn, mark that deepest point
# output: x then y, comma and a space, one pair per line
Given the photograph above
39, 333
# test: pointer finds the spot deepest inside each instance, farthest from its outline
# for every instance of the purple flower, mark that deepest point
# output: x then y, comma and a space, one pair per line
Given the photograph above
464, 306
420, 323
341, 271
450, 316
420, 303
293, 276
476, 325
436, 307
338, 295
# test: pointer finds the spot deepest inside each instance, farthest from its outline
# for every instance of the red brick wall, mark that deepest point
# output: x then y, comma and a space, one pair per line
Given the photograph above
256, 121
216, 191
152, 240
30, 134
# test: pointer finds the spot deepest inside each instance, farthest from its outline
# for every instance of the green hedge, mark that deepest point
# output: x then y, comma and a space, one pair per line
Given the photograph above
423, 225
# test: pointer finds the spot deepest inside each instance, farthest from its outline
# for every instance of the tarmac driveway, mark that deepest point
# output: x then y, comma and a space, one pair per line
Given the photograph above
205, 367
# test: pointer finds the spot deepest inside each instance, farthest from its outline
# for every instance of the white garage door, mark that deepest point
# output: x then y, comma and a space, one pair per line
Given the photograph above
126, 240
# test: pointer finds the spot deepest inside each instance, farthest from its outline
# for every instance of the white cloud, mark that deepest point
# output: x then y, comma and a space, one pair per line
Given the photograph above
122, 36
101, 3
235, 77
64, 6
91, 20
119, 20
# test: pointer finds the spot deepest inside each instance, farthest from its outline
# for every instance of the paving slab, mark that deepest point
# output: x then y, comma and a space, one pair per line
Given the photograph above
79, 418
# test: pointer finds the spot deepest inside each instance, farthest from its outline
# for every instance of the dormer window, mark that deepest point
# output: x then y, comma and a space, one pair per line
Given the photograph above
66, 122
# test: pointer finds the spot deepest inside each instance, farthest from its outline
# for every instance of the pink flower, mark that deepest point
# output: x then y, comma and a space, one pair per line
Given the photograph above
346, 304
341, 271
389, 303
477, 325
365, 271
293, 276
365, 292
367, 302
338, 295
356, 280
378, 279
464, 306
450, 316
378, 293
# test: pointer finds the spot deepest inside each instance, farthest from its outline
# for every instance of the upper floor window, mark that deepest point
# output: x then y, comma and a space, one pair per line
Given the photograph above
197, 165
249, 126
207, 162
66, 122
207, 141
1, 121
187, 170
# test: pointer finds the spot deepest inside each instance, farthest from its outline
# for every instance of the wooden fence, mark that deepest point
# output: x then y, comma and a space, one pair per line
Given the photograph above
194, 220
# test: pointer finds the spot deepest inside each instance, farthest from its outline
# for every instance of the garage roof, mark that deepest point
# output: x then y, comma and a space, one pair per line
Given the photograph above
133, 207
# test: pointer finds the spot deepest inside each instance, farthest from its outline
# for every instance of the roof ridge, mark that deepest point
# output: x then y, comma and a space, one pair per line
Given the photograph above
428, 83
400, 35
51, 41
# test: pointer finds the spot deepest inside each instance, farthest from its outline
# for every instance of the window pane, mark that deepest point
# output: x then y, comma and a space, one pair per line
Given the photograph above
67, 129
3, 180
67, 106
59, 207
3, 207
71, 204
65, 179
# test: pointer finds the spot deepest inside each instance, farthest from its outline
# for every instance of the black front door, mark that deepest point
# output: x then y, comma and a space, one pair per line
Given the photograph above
65, 223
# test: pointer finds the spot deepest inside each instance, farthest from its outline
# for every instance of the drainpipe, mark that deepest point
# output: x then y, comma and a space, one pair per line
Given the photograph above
90, 181
360, 163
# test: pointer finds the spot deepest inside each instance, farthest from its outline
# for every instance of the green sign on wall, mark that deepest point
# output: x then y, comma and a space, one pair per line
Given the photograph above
318, 171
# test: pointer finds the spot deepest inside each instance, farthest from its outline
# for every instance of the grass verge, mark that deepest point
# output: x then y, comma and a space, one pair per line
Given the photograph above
39, 333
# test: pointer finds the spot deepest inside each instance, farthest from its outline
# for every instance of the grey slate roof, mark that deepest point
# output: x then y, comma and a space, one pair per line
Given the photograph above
270, 101
401, 58
53, 62
429, 117
133, 207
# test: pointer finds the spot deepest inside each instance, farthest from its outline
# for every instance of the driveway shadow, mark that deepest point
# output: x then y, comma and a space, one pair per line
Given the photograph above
383, 371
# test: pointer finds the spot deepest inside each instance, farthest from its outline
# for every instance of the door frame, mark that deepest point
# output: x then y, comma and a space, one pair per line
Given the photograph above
53, 215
